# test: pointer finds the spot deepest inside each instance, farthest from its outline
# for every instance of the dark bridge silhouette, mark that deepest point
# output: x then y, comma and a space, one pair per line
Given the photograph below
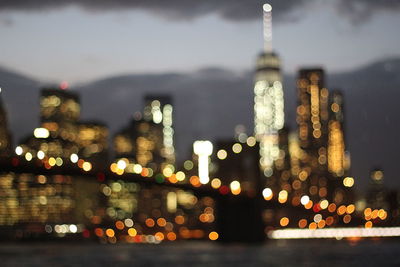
238, 217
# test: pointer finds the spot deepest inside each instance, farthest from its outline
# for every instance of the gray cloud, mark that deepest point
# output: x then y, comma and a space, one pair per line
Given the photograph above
359, 11
356, 11
6, 22
234, 10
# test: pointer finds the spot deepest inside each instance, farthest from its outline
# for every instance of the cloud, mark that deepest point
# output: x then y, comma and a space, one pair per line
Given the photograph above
359, 11
6, 22
233, 10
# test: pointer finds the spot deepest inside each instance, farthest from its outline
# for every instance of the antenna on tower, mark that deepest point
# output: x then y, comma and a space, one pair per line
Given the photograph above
267, 21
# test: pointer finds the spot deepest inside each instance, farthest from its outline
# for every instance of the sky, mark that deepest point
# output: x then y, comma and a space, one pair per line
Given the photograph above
79, 41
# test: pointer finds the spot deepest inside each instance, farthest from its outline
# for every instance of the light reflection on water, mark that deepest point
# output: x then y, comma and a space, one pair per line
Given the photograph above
274, 253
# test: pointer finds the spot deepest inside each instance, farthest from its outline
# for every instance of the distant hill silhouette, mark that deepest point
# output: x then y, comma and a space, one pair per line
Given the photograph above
209, 103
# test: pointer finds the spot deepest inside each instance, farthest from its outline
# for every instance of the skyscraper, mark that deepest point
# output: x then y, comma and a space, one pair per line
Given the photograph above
268, 99
59, 113
141, 142
5, 137
336, 144
92, 141
158, 108
312, 120
312, 114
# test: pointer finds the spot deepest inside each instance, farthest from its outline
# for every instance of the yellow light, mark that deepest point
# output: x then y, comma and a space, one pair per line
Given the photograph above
28, 156
282, 197
284, 221
137, 168
312, 226
321, 224
74, 158
52, 161
59, 161
216, 183
167, 171
110, 232
188, 165
341, 210
19, 150
87, 166
324, 204
350, 209
159, 236
235, 187
382, 214
180, 176
309, 205
348, 181
237, 148
114, 167
267, 193
222, 154
41, 133
251, 141
213, 236
132, 232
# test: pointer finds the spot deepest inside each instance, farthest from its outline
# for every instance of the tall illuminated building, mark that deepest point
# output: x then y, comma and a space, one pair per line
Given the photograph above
59, 113
312, 119
92, 141
5, 137
159, 110
312, 114
336, 139
58, 134
268, 99
141, 142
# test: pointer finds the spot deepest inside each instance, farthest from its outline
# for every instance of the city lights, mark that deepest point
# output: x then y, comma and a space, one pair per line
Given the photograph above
74, 158
203, 149
41, 133
305, 200
81, 180
267, 193
40, 154
337, 233
348, 181
19, 150
235, 187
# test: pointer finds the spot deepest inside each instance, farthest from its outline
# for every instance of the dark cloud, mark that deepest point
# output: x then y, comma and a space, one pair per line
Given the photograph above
359, 11
172, 9
356, 11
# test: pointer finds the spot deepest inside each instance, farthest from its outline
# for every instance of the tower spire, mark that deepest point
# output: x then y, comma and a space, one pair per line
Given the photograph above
267, 22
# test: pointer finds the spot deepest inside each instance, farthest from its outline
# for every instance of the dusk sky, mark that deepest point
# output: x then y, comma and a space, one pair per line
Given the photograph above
78, 42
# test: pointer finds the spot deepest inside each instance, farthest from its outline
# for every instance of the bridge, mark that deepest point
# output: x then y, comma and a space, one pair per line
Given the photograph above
238, 217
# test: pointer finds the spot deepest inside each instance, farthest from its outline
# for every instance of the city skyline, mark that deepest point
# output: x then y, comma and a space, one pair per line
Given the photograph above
230, 156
